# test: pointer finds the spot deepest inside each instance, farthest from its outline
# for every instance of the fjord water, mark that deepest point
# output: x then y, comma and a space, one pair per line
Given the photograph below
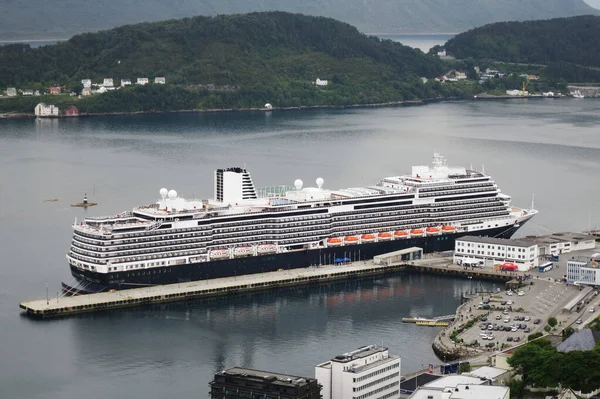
547, 147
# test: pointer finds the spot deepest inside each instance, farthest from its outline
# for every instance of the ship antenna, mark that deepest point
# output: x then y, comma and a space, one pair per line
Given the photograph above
532, 201
483, 169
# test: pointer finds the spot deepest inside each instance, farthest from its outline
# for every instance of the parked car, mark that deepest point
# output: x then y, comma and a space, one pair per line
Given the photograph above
504, 303
517, 339
592, 310
527, 330
537, 321
527, 318
579, 321
484, 319
509, 339
498, 317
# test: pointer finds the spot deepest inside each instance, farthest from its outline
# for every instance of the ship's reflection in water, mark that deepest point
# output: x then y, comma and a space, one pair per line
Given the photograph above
286, 330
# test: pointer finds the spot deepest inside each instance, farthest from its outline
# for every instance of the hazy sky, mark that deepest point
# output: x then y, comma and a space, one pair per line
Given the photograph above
593, 3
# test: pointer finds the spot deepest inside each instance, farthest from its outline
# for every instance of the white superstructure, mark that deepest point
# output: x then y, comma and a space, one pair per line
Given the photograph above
434, 202
368, 372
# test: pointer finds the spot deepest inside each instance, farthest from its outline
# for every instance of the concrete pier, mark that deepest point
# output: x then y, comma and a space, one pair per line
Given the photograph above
66, 306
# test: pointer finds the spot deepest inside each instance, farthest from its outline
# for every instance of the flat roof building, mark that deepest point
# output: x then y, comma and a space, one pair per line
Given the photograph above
246, 383
463, 392
491, 252
368, 372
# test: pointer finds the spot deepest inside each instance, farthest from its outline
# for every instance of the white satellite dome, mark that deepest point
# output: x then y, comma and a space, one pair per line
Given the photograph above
163, 193
172, 194
298, 184
320, 182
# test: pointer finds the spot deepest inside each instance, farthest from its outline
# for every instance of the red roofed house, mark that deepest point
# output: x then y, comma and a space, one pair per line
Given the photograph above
72, 111
54, 90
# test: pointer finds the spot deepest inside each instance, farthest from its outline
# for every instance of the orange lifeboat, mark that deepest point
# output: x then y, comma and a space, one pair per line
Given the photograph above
401, 234
433, 230
385, 236
348, 240
334, 242
448, 229
417, 233
367, 238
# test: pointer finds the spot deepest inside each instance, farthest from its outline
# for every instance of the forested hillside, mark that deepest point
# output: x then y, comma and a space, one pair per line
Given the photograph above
575, 40
36, 19
236, 60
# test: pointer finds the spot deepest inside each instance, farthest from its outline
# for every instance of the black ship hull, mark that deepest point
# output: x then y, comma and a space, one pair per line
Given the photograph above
97, 282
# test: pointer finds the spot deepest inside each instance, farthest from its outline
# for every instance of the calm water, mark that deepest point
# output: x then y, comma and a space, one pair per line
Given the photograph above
423, 42
547, 147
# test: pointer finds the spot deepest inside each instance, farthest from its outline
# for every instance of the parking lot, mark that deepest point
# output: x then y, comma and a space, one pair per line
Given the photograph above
509, 317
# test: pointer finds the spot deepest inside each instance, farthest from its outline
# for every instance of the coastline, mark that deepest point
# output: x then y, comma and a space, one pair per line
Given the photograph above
19, 115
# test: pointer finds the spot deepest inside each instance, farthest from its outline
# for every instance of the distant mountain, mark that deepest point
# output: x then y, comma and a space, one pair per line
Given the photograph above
36, 19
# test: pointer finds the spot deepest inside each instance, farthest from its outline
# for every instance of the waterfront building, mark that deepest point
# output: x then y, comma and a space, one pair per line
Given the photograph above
72, 111
583, 271
562, 243
46, 110
246, 383
368, 372
491, 251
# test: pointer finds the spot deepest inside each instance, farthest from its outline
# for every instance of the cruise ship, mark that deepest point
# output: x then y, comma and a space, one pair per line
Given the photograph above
245, 230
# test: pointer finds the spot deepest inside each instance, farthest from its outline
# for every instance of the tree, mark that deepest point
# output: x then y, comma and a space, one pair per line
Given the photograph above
547, 328
552, 322
567, 332
537, 363
533, 336
516, 388
464, 368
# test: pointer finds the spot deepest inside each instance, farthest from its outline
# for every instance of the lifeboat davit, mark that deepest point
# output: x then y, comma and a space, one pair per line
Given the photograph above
448, 229
367, 238
219, 254
433, 231
385, 236
417, 233
266, 249
401, 234
242, 251
334, 242
349, 240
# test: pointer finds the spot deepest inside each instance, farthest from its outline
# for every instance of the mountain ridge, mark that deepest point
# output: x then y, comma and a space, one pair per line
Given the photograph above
37, 19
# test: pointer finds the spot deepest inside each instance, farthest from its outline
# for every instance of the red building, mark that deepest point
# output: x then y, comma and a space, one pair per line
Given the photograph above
72, 111
54, 90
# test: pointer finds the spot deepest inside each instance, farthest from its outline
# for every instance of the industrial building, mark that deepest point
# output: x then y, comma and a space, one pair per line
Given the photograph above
368, 372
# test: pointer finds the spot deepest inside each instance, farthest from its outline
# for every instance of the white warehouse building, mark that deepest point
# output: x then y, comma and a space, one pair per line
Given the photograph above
368, 372
584, 271
490, 251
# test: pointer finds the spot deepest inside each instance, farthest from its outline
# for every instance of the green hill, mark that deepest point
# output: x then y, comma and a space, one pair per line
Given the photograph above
574, 40
569, 47
235, 60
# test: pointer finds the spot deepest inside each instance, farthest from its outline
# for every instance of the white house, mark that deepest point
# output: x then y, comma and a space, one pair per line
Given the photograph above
28, 92
268, 106
142, 81
108, 82
11, 92
490, 251
43, 109
462, 391
368, 372
320, 82
562, 243
87, 91
102, 90
441, 52
160, 80
86, 82
125, 82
